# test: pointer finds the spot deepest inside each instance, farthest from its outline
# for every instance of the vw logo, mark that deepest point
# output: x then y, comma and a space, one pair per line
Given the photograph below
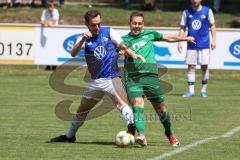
100, 52
196, 24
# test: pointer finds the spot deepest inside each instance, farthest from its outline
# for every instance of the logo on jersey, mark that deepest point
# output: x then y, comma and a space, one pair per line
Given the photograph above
139, 45
235, 49
100, 52
145, 36
105, 39
203, 16
196, 24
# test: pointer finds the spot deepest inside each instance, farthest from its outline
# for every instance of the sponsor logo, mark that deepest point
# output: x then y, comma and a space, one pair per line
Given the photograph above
203, 16
145, 36
235, 49
99, 52
161, 53
105, 39
196, 24
69, 42
139, 45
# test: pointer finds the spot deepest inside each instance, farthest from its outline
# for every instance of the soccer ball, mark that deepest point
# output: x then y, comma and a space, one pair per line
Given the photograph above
124, 139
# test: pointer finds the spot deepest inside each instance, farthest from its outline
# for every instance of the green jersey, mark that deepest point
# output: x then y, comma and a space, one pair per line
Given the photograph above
142, 44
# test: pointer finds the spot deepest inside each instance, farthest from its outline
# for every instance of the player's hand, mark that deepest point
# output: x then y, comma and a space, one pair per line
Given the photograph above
87, 35
121, 53
213, 45
191, 39
139, 57
179, 47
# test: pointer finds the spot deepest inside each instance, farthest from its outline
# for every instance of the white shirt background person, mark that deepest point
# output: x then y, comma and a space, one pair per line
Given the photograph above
50, 16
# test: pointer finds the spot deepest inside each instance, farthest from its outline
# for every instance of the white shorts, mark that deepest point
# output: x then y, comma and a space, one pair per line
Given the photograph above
113, 87
201, 57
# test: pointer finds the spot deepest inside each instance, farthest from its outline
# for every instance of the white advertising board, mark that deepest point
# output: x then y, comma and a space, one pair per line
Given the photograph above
17, 45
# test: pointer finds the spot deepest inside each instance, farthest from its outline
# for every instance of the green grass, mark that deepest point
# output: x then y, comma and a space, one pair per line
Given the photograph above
168, 16
28, 120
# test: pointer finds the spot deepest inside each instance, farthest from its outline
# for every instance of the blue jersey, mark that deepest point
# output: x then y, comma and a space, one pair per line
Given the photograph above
198, 25
101, 55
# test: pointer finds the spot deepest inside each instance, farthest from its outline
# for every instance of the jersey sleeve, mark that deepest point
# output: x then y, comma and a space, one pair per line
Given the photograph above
211, 17
157, 36
115, 37
78, 40
183, 21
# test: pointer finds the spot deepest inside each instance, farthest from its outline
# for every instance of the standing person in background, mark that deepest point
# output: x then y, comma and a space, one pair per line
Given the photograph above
49, 18
8, 4
12, 3
217, 5
198, 19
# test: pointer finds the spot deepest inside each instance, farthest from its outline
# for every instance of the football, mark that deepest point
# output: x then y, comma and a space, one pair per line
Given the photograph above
124, 139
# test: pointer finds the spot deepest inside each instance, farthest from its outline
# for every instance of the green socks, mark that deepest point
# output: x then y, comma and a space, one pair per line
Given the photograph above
138, 117
166, 122
139, 120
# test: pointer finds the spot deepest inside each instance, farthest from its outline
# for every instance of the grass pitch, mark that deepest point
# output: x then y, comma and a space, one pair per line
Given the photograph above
28, 120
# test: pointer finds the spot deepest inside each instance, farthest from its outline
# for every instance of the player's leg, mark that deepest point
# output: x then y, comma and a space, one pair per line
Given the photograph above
77, 121
117, 93
90, 98
139, 119
165, 119
204, 58
191, 61
205, 77
138, 114
154, 93
135, 94
79, 118
191, 76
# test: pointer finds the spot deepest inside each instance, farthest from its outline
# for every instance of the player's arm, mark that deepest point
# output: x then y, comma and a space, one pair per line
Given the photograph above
177, 38
213, 33
129, 52
43, 19
181, 36
182, 30
79, 44
123, 48
212, 28
55, 18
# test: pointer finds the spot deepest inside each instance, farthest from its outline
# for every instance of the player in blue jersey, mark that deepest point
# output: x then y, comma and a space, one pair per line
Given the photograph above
100, 45
198, 19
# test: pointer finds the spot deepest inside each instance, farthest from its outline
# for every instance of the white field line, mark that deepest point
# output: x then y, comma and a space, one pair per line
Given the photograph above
190, 146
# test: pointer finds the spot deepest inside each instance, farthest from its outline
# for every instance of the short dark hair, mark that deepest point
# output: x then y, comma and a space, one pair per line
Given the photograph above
136, 14
91, 14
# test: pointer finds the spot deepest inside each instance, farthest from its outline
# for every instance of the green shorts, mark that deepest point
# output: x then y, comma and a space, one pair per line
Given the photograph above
142, 84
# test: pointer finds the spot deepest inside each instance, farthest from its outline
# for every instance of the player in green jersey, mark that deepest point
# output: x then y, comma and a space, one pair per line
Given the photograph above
141, 79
